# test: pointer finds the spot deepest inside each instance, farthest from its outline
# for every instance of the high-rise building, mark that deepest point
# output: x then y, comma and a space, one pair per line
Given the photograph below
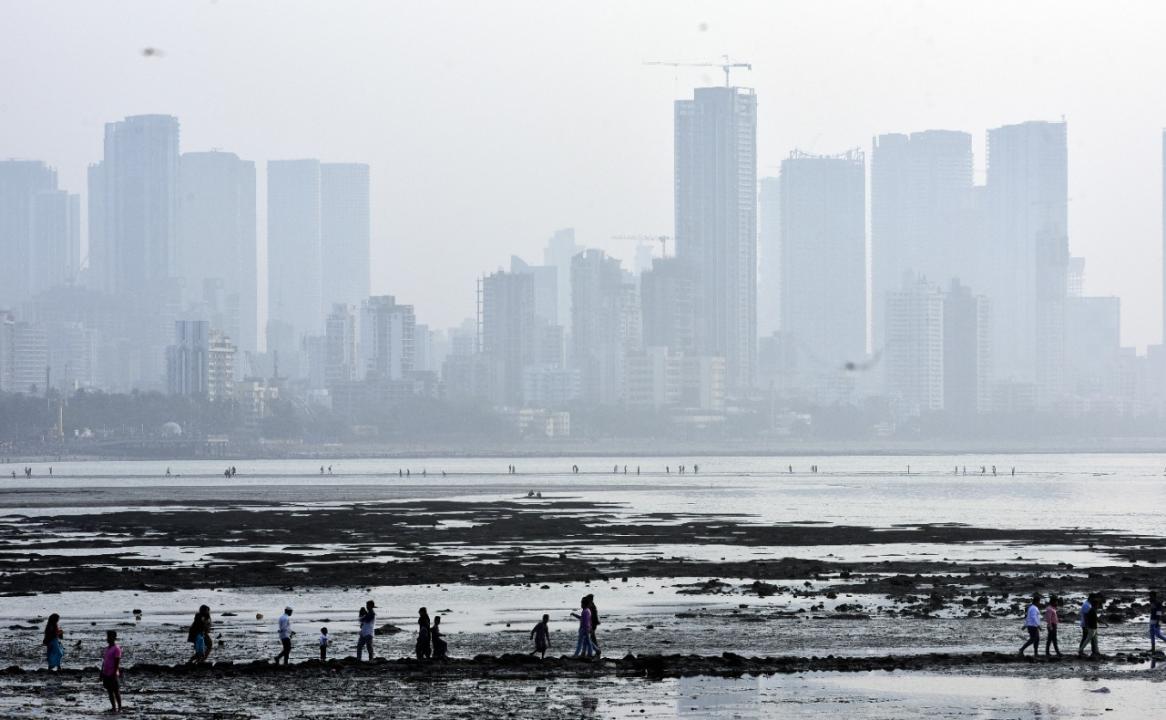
56, 240
913, 350
133, 226
967, 351
823, 250
132, 249
341, 358
600, 323
386, 338
200, 363
294, 260
24, 356
769, 257
508, 332
1028, 253
1093, 345
217, 247
21, 182
345, 233
560, 250
667, 298
546, 288
716, 221
920, 207
73, 356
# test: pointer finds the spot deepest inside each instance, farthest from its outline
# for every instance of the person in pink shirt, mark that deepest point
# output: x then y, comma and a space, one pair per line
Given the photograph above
111, 670
1052, 620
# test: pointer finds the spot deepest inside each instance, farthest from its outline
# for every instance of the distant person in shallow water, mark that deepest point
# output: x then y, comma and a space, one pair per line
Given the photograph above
1032, 626
440, 646
54, 647
424, 647
541, 634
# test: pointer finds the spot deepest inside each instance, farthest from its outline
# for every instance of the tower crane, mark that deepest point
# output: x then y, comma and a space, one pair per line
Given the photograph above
726, 65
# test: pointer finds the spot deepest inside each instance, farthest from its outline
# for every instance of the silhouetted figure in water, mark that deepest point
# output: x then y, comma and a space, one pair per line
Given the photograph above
321, 470
1032, 625
667, 470
575, 469
400, 472
440, 646
539, 494
791, 469
443, 473
408, 473
696, 468
541, 634
329, 469
1013, 472
993, 471
637, 469
424, 648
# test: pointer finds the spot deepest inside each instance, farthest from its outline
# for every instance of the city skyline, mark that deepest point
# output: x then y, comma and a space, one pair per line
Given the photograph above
617, 186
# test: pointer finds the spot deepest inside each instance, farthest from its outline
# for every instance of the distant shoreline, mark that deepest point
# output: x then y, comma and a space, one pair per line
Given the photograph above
583, 449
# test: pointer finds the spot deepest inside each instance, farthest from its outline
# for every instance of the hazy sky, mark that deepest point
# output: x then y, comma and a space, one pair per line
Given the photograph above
490, 124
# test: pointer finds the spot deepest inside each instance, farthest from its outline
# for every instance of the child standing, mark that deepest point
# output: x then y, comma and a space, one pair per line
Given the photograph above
111, 670
1052, 620
324, 643
541, 634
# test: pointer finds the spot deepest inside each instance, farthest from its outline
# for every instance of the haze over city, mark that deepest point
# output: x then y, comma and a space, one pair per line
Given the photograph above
488, 126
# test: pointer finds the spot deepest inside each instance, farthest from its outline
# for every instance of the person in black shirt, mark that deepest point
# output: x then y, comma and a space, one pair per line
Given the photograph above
1155, 621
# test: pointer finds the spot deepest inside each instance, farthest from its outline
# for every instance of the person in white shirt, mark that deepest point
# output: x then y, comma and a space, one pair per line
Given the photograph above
1032, 625
285, 635
368, 617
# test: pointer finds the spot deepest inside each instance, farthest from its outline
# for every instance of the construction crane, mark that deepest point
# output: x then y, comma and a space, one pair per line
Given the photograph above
726, 65
662, 239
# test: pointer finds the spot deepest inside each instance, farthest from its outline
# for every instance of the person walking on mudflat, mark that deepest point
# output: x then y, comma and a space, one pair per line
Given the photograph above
1052, 621
424, 647
1089, 625
197, 636
285, 636
54, 648
583, 646
1032, 625
541, 634
1155, 621
111, 670
368, 618
590, 600
440, 646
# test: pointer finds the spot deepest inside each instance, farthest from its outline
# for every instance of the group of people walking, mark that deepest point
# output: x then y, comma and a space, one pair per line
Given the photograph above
1088, 619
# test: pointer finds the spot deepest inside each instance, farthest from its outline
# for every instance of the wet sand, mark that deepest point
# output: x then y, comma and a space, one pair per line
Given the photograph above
689, 595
